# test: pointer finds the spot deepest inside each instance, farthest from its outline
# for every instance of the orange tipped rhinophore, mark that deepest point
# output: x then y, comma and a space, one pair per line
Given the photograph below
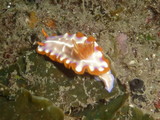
44, 33
40, 43
79, 53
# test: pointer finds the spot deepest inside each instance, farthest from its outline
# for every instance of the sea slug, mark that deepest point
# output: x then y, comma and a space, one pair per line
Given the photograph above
79, 53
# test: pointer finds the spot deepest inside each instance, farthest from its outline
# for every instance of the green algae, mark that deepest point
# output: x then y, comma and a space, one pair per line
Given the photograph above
138, 115
104, 111
42, 108
26, 106
115, 108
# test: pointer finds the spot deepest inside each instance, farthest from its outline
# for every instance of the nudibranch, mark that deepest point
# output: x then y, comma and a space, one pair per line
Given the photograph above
79, 53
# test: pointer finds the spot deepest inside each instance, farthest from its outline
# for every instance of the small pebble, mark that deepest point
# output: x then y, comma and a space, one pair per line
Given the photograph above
137, 85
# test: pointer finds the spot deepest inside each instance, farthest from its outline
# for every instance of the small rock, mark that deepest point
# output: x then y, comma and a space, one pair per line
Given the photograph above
137, 85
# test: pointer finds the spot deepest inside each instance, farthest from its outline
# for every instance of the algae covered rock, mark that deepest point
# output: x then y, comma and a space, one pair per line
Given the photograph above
79, 96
